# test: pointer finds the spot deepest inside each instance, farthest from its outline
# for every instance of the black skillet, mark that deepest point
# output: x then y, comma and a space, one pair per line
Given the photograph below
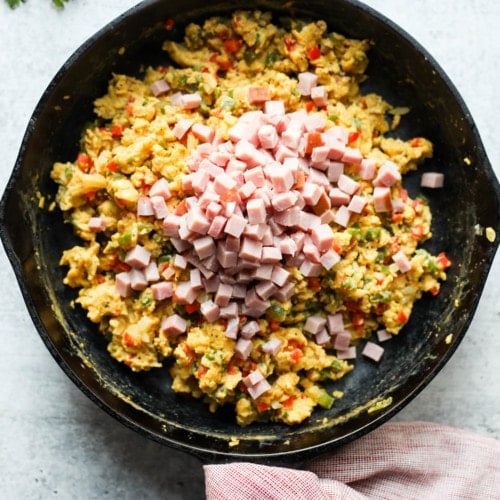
405, 75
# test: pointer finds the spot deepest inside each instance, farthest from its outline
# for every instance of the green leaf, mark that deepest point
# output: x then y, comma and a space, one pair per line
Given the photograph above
59, 3
14, 3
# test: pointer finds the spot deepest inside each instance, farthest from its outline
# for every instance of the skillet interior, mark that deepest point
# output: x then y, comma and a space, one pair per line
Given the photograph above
404, 74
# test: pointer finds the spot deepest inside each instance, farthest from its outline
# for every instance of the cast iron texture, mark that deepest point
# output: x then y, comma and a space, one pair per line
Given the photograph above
405, 74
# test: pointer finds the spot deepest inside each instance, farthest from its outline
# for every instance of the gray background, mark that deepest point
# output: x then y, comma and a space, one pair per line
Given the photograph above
54, 443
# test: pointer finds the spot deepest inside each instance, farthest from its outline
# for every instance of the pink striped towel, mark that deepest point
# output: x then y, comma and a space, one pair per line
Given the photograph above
396, 461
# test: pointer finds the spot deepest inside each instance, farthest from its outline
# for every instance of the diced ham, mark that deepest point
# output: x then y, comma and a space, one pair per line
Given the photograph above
268, 136
195, 278
272, 346
280, 276
182, 127
203, 132
247, 152
199, 181
357, 204
255, 231
281, 177
285, 293
265, 289
322, 237
151, 272
226, 258
233, 244
283, 152
432, 180
247, 189
159, 207
315, 122
243, 348
213, 209
319, 155
256, 211
382, 199
221, 158
223, 295
232, 328
338, 197
173, 325
258, 389
352, 155
217, 226
373, 351
314, 324
250, 250
249, 329
335, 323
342, 216
397, 205
185, 293
282, 201
263, 272
253, 378
175, 99
338, 133
349, 353
322, 337
383, 335
235, 225
274, 108
162, 290
347, 184
402, 261
190, 101
180, 261
144, 206
366, 169
329, 259
196, 221
270, 255
310, 269
209, 310
138, 257
311, 193
388, 174
319, 95
180, 245
97, 224
342, 341
291, 138
336, 149
229, 311
307, 81
122, 284
258, 95
159, 87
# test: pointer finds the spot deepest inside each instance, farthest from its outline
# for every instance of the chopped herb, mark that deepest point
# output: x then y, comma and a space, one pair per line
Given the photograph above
276, 313
325, 401
16, 3
125, 238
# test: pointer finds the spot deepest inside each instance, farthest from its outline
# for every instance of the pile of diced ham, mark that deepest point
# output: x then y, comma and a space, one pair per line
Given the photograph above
266, 199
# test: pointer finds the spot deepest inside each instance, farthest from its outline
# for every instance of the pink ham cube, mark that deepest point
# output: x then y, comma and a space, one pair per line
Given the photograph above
173, 325
162, 290
373, 351
307, 81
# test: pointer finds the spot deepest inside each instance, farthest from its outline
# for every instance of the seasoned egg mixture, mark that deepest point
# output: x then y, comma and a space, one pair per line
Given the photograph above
242, 216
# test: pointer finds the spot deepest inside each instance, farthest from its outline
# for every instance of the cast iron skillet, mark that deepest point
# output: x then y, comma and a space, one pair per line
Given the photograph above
401, 71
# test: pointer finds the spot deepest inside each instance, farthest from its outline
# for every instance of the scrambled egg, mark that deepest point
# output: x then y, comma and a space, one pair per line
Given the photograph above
132, 145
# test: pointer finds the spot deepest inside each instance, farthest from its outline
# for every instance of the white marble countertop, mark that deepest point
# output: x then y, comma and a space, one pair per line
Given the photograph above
55, 443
